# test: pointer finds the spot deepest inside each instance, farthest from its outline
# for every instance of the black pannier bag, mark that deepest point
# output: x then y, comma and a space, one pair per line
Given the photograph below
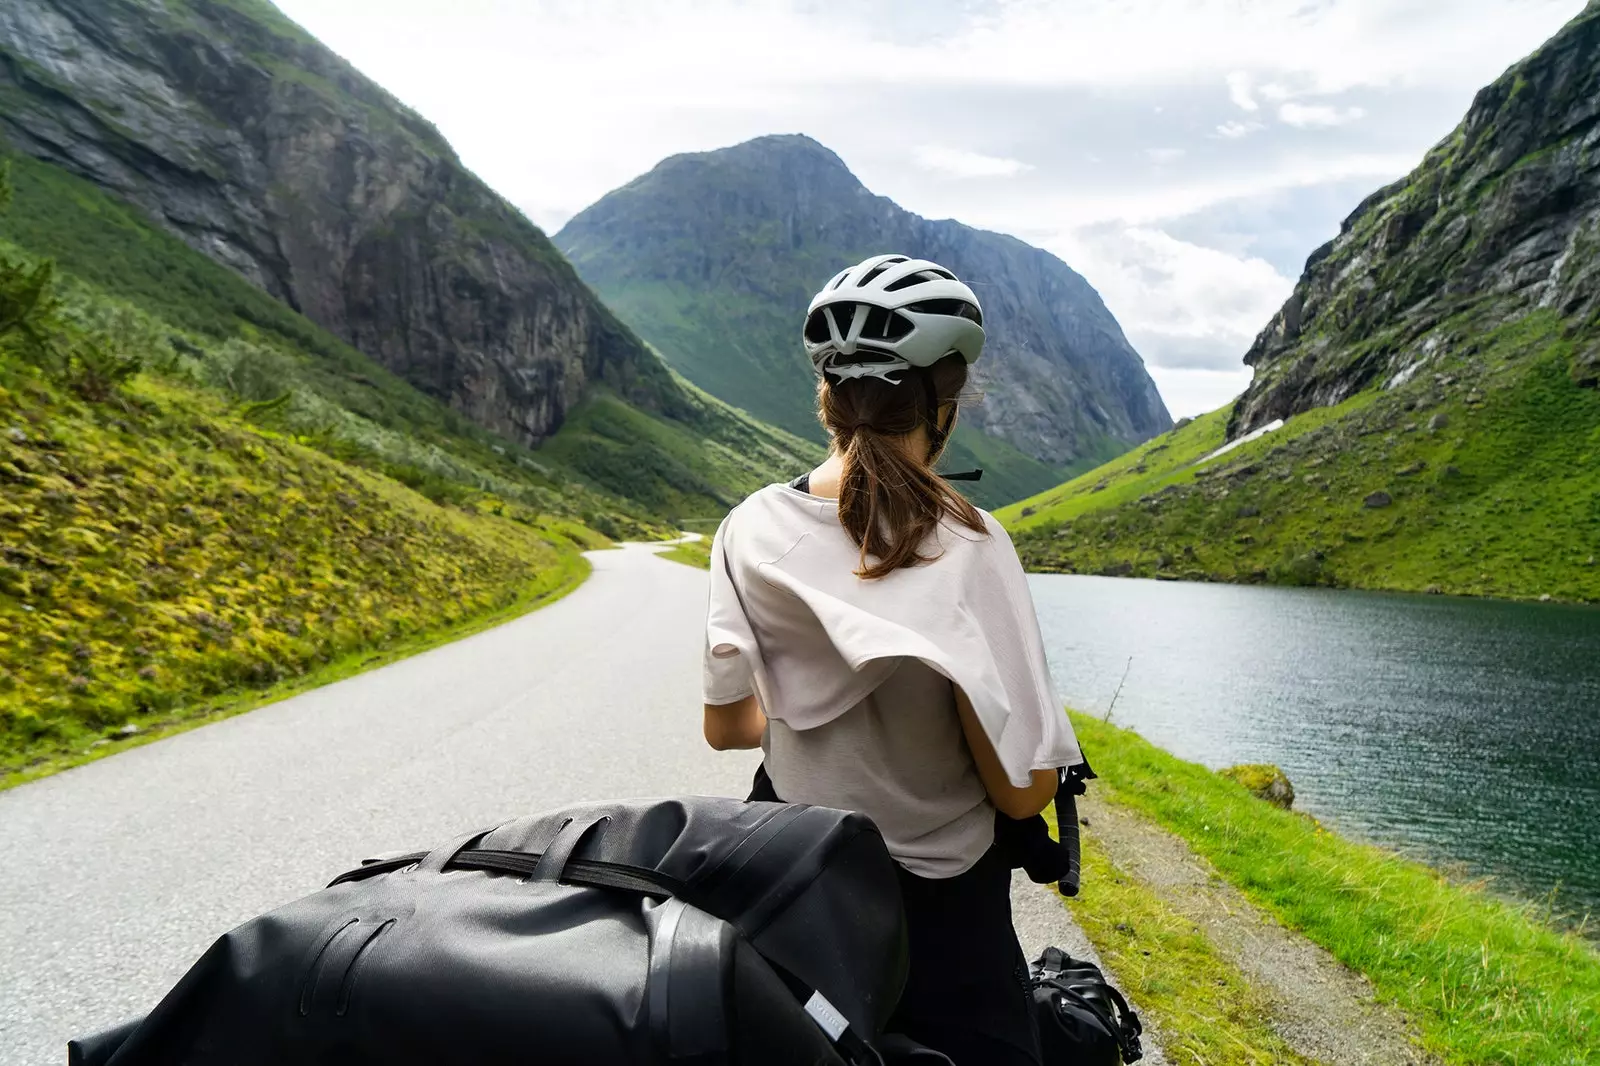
696, 931
1083, 1020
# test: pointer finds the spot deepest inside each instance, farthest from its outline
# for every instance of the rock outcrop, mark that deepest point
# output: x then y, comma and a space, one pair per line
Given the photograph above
258, 146
713, 257
1501, 219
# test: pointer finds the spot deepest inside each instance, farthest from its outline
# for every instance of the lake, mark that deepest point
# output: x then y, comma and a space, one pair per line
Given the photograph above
1465, 733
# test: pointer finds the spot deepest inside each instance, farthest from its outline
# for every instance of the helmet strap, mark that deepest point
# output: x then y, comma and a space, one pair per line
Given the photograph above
937, 434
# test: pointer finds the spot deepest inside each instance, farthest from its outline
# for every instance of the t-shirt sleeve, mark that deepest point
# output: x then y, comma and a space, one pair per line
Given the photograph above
730, 643
1036, 734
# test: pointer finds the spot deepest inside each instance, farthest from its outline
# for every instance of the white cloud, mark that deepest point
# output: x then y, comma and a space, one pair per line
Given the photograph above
960, 163
1194, 392
1163, 156
556, 102
1184, 306
1234, 129
1319, 115
1156, 203
1239, 90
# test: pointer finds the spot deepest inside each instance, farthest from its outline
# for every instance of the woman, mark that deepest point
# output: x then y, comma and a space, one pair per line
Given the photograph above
872, 631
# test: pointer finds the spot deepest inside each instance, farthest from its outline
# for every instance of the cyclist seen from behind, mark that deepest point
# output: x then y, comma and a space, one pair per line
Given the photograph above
872, 631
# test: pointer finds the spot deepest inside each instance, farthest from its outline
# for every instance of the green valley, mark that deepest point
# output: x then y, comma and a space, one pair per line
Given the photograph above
1480, 478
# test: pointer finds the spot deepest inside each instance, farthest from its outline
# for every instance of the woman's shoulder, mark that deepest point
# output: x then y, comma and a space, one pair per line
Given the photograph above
968, 541
769, 520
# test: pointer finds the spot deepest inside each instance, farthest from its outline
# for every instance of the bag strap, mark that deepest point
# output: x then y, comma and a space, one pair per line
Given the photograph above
558, 853
592, 873
436, 860
688, 1018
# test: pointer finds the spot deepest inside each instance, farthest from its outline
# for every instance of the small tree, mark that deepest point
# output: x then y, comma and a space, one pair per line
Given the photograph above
28, 304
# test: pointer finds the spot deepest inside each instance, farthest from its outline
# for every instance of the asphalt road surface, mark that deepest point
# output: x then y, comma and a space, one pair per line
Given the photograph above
118, 874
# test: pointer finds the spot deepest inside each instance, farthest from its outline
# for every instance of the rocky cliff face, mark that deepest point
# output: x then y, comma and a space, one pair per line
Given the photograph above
256, 145
1501, 219
714, 256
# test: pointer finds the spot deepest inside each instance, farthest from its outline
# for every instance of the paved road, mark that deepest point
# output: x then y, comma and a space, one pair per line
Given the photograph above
117, 875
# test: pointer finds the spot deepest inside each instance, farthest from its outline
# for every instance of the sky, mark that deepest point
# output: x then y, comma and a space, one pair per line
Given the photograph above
1184, 156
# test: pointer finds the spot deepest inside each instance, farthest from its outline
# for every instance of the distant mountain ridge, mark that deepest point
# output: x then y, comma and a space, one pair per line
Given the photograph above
712, 257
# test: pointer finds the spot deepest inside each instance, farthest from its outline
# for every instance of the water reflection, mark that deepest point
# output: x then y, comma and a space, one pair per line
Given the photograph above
1465, 733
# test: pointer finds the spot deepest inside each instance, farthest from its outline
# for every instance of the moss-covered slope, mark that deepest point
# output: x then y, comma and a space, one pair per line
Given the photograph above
1481, 478
157, 552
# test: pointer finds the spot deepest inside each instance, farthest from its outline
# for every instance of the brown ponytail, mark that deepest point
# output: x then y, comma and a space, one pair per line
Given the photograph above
889, 499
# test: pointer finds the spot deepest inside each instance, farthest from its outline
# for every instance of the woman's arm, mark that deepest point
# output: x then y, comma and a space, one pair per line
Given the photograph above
735, 726
1008, 799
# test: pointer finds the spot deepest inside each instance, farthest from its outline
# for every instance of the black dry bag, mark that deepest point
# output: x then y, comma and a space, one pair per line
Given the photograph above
703, 931
1083, 1021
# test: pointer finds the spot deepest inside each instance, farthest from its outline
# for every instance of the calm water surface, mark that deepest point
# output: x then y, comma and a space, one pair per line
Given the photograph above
1462, 732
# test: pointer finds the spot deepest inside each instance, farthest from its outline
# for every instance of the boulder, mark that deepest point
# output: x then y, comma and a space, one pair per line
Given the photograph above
1376, 500
1263, 780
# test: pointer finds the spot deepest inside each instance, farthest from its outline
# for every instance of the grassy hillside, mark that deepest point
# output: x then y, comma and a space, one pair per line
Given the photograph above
158, 552
1489, 463
235, 337
203, 496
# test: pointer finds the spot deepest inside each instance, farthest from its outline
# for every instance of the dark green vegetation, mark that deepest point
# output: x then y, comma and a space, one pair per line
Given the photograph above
1485, 980
1437, 368
713, 258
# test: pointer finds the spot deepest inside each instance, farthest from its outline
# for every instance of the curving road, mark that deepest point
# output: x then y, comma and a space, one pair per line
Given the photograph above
118, 874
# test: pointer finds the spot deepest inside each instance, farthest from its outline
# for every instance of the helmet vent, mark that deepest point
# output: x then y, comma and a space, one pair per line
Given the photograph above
874, 272
886, 325
817, 327
843, 316
909, 280
959, 308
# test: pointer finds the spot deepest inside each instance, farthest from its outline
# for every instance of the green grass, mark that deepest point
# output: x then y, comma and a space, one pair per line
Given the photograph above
240, 339
1208, 1012
1494, 479
157, 554
695, 553
669, 470
240, 701
1485, 979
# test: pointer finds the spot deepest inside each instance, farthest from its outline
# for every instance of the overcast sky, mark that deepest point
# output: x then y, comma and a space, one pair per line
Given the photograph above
1183, 155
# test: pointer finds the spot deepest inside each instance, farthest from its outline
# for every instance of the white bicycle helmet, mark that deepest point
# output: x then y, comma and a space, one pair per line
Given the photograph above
889, 313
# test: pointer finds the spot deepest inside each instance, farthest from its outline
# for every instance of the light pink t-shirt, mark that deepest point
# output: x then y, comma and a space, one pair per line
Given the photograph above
855, 675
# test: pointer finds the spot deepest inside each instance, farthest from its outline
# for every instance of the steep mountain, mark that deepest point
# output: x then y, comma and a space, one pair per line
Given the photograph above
1436, 369
1501, 219
233, 130
713, 257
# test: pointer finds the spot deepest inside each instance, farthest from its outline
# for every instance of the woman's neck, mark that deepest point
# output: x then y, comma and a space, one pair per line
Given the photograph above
826, 478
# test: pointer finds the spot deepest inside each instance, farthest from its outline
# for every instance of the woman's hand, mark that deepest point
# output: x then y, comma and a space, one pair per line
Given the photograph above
1008, 799
735, 726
